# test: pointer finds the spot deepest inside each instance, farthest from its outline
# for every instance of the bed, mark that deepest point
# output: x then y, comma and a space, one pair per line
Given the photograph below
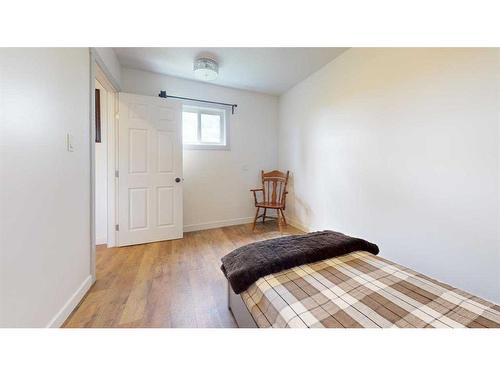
357, 290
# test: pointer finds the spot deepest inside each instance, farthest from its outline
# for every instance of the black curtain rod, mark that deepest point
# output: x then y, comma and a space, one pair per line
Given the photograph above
163, 94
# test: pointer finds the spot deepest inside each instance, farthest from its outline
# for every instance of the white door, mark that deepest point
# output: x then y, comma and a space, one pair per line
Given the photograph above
150, 169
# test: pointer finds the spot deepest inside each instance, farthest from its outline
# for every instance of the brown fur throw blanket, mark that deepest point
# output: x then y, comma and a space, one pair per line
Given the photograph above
245, 265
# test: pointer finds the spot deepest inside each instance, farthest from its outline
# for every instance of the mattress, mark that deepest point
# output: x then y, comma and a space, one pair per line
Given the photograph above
362, 290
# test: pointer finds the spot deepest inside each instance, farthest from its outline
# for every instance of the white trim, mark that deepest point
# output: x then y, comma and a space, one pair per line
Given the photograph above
243, 220
206, 146
297, 224
92, 161
99, 61
111, 157
217, 224
112, 129
102, 241
96, 63
70, 305
225, 126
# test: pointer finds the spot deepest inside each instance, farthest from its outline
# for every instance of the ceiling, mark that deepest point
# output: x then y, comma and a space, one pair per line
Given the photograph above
268, 70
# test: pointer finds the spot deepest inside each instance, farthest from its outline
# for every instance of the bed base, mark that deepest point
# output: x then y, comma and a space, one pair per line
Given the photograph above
239, 310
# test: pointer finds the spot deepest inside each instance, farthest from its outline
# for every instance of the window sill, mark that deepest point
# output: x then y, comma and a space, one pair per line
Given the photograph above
207, 147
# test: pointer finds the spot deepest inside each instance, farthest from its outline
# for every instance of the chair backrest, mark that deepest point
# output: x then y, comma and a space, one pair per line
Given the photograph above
274, 185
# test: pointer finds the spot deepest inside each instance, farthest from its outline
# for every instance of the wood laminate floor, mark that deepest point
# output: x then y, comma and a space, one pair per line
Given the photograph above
167, 284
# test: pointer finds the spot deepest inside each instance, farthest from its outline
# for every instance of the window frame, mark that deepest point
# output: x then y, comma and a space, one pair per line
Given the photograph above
224, 126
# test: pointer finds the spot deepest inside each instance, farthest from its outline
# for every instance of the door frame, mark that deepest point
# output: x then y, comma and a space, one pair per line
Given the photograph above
98, 70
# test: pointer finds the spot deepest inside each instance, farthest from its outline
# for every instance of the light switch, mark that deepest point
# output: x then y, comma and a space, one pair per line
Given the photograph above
69, 142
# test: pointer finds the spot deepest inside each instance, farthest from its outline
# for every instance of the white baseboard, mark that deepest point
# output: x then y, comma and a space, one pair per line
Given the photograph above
101, 241
217, 224
297, 224
70, 305
245, 220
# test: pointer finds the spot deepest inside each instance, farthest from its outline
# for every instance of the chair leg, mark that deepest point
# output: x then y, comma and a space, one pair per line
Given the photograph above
264, 216
283, 216
279, 219
255, 219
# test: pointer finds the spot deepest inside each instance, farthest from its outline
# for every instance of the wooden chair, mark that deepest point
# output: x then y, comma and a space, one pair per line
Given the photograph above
273, 195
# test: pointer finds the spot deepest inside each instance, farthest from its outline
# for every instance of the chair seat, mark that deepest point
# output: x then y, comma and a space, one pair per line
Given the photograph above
269, 205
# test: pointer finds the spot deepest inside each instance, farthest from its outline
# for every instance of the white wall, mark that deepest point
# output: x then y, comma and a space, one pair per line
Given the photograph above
101, 173
45, 190
401, 147
216, 186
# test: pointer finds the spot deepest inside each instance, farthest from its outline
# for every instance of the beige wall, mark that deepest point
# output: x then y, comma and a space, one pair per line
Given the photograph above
401, 147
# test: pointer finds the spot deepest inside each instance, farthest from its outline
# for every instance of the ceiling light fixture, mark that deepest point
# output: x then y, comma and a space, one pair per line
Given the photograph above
206, 68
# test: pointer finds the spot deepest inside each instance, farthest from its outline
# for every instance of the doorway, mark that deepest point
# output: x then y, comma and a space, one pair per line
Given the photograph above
104, 140
136, 167
104, 106
101, 165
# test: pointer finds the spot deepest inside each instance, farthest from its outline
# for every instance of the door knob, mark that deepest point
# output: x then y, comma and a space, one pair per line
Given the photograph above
177, 179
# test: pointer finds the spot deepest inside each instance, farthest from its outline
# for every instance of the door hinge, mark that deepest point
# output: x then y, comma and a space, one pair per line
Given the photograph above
117, 227
117, 173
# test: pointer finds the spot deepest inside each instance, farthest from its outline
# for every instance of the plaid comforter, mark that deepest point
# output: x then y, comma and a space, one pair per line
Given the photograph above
362, 290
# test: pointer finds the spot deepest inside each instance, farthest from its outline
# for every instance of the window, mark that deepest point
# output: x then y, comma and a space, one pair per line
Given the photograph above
205, 128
